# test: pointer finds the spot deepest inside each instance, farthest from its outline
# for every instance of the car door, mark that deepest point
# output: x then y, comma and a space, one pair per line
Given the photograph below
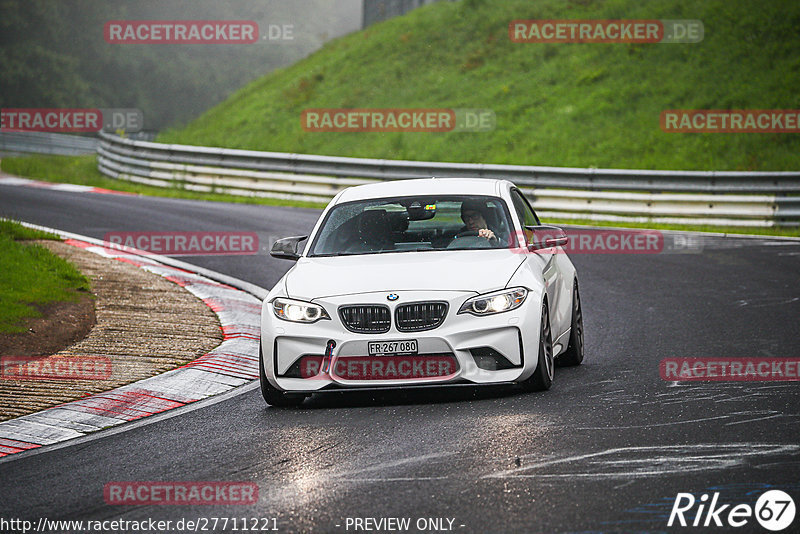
544, 259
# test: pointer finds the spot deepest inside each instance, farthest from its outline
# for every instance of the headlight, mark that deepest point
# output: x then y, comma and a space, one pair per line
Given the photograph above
498, 302
297, 311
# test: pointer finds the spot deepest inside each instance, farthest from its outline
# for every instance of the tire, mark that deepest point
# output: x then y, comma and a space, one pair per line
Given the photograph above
542, 378
273, 395
574, 353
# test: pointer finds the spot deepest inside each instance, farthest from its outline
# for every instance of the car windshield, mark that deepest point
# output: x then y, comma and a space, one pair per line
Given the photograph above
412, 224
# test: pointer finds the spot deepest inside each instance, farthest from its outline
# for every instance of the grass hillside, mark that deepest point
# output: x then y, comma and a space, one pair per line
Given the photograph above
560, 104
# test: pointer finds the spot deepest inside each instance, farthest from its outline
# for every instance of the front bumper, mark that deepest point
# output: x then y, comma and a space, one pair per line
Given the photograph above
513, 334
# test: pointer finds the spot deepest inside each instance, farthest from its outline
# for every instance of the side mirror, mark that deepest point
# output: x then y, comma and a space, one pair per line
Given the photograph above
546, 237
286, 248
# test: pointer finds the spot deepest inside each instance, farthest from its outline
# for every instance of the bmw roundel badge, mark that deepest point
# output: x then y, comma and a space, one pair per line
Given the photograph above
392, 296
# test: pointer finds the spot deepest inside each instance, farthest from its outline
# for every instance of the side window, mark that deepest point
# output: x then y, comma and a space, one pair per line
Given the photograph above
525, 213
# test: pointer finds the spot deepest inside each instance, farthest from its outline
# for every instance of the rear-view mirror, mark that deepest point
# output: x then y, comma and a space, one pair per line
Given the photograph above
546, 237
286, 248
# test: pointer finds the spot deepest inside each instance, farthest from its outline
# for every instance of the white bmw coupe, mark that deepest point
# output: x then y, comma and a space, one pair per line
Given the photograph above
413, 283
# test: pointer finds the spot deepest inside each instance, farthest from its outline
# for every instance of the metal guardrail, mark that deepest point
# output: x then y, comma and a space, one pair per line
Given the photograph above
47, 143
686, 197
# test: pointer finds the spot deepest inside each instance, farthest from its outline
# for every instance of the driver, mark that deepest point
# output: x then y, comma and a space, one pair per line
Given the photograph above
473, 213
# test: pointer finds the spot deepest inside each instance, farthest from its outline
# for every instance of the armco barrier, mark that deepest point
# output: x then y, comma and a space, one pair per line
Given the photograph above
47, 143
687, 197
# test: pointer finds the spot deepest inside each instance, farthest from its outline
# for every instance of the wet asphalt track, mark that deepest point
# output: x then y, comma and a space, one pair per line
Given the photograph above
605, 450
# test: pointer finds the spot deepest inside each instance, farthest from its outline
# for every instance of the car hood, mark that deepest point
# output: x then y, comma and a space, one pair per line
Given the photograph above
478, 271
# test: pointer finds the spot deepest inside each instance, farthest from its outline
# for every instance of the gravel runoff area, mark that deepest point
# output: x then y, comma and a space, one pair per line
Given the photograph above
146, 325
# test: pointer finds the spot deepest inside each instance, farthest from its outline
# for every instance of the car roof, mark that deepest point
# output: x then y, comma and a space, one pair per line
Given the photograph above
425, 186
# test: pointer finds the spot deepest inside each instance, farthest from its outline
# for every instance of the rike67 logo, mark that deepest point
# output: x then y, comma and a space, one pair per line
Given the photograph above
774, 510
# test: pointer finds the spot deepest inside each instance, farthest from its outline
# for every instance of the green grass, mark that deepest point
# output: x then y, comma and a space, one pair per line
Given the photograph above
17, 232
574, 105
82, 170
32, 275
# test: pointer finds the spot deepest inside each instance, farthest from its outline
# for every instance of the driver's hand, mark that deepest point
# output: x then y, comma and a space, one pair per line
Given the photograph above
484, 232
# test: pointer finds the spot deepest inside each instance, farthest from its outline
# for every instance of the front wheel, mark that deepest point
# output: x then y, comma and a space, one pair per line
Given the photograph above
542, 378
574, 353
271, 394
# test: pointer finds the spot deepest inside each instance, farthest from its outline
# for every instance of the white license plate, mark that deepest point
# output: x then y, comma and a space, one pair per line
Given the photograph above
392, 348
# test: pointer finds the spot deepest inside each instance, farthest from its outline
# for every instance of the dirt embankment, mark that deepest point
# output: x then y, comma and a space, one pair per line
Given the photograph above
138, 325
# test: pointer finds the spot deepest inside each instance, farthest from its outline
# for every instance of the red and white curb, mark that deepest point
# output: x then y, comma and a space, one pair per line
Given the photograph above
7, 179
233, 363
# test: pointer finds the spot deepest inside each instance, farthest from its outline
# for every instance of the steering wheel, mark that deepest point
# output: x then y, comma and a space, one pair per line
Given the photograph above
467, 233
469, 239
